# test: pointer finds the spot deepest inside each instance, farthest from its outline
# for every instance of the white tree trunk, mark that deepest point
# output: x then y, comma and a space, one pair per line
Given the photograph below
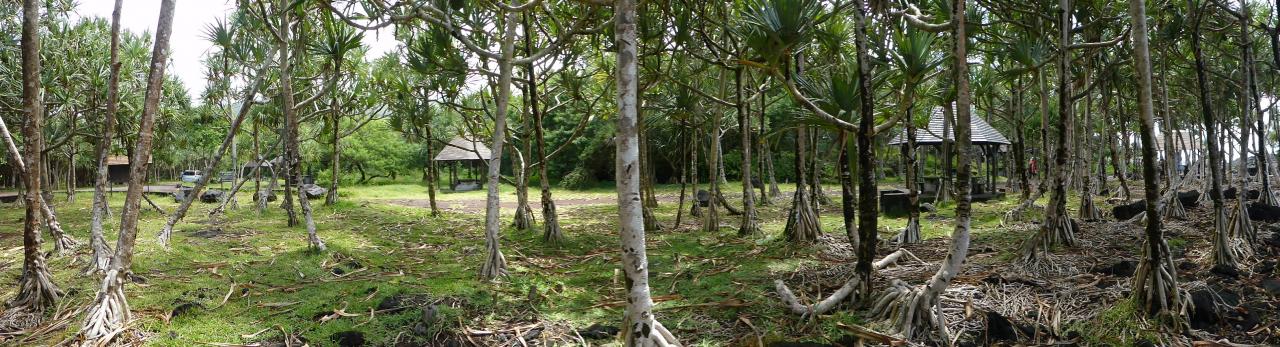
640, 327
110, 309
495, 264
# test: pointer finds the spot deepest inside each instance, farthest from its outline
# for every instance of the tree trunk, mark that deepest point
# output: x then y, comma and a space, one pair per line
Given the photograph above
1155, 283
551, 232
761, 153
711, 218
523, 219
648, 200
750, 226
1120, 166
802, 222
99, 210
848, 193
1172, 206
1224, 253
234, 128
868, 210
432, 171
1242, 226
945, 182
262, 196
335, 122
695, 209
1057, 228
1044, 161
911, 234
684, 177
293, 147
495, 264
916, 310
36, 291
110, 310
1019, 148
640, 328
1088, 210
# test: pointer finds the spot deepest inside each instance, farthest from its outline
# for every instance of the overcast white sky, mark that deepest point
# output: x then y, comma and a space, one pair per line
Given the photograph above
188, 46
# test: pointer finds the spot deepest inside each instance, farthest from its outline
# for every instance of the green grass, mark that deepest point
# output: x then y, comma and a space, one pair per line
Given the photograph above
1119, 325
405, 250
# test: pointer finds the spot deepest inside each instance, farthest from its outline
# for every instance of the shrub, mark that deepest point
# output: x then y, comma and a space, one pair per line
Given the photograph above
580, 178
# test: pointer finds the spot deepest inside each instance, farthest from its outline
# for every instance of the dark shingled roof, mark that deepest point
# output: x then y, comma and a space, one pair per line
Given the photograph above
461, 148
983, 133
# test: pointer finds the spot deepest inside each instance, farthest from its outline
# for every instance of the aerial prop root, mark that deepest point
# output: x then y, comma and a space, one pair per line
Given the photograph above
910, 233
1172, 207
37, 290
495, 264
825, 305
1016, 214
658, 335
910, 309
1156, 286
1089, 210
109, 313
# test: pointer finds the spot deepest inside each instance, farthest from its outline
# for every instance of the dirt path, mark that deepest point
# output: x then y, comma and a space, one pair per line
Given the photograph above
508, 203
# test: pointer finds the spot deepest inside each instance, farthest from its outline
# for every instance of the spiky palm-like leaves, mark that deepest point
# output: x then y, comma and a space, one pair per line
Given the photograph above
914, 58
773, 28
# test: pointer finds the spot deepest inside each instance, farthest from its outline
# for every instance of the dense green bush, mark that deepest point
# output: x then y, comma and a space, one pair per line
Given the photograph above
580, 178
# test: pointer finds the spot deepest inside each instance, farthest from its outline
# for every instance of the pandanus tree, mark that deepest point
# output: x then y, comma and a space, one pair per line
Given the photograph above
279, 24
774, 29
496, 15
36, 290
1225, 252
720, 47
439, 69
63, 242
334, 46
1030, 54
110, 309
1242, 225
1057, 227
102, 252
1155, 284
915, 60
640, 327
222, 36
915, 311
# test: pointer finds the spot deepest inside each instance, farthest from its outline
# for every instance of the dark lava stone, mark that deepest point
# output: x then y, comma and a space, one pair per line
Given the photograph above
1271, 285
1263, 213
1226, 271
184, 308
1128, 211
349, 338
599, 331
1122, 268
1265, 267
999, 328
393, 303
1187, 266
1205, 314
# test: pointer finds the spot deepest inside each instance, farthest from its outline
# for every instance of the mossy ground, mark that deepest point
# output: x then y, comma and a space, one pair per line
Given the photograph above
715, 286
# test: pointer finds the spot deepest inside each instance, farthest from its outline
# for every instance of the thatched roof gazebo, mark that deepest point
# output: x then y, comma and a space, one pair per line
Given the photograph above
469, 153
988, 143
